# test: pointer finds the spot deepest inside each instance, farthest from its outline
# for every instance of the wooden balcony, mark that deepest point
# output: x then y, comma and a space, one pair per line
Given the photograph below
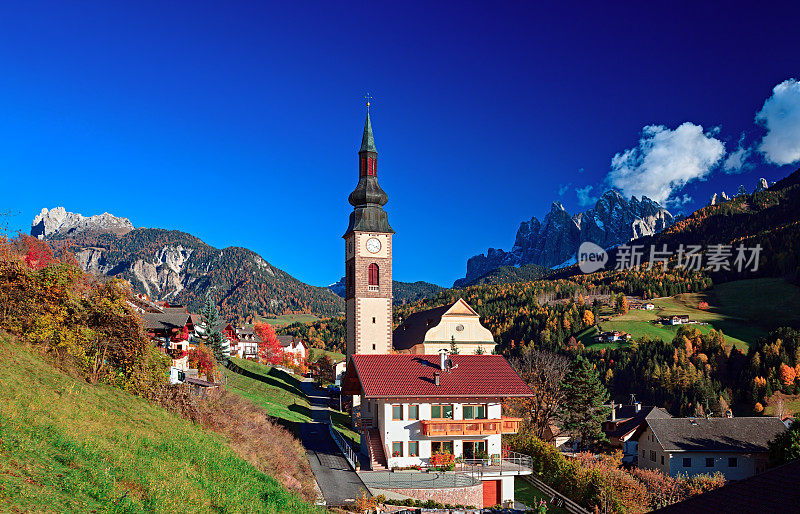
451, 427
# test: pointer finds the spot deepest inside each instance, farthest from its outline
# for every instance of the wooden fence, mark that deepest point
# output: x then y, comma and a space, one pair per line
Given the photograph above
558, 498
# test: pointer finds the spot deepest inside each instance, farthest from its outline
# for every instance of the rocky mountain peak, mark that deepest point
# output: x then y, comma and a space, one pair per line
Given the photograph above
60, 222
551, 242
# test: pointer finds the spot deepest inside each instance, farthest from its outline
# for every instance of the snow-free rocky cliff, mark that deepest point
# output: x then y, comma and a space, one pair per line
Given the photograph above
58, 222
555, 239
178, 267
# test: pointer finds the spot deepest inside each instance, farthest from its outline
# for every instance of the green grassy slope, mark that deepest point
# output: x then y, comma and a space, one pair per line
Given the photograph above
744, 310
288, 319
275, 391
67, 446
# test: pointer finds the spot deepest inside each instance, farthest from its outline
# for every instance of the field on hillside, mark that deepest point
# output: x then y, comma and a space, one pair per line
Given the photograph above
288, 319
277, 392
744, 310
67, 446
316, 353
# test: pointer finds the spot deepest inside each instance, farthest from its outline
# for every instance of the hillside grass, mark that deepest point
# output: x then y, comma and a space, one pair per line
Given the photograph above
288, 319
277, 392
744, 310
68, 446
527, 493
318, 353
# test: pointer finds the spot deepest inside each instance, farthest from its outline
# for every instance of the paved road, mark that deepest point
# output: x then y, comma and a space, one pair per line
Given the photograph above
339, 484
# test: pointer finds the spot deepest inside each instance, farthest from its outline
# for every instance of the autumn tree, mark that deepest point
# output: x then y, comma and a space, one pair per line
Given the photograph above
583, 404
270, 350
787, 374
588, 318
543, 372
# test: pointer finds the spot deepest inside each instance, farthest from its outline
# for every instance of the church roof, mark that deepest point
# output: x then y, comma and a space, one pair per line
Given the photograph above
411, 332
368, 140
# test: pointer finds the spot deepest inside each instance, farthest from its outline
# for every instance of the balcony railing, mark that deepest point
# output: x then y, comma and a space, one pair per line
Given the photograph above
451, 427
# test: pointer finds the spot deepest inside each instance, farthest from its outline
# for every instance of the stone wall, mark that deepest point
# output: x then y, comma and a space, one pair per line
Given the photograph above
469, 496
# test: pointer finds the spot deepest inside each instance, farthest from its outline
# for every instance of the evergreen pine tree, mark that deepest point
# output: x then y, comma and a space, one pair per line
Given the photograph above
212, 336
584, 397
453, 346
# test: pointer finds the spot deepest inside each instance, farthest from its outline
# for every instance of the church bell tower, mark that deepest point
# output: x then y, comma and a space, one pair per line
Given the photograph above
368, 258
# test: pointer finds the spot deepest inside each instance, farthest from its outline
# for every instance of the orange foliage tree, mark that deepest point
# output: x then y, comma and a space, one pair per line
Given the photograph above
788, 374
270, 350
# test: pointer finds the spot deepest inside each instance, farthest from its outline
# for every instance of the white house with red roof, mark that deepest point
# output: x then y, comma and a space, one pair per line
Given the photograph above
434, 410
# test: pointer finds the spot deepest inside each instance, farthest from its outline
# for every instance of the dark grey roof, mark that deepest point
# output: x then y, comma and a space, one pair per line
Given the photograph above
628, 419
411, 332
165, 321
285, 340
200, 382
716, 434
774, 490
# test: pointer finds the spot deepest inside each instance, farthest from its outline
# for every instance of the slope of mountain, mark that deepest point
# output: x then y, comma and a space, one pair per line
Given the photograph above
403, 292
556, 238
178, 267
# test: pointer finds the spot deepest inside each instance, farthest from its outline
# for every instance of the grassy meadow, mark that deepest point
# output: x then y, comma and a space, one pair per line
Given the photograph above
277, 392
744, 310
288, 319
68, 446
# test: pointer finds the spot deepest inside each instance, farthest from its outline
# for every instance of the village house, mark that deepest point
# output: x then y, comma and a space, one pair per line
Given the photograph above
169, 329
678, 319
736, 447
431, 410
247, 342
294, 346
612, 336
427, 332
626, 422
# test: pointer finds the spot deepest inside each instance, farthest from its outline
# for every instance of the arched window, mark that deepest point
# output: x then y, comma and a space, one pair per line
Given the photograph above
374, 279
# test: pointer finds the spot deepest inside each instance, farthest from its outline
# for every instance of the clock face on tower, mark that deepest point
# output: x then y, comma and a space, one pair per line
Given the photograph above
373, 245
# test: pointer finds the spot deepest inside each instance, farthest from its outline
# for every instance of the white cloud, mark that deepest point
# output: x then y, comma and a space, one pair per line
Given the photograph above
737, 161
584, 198
665, 161
563, 188
781, 117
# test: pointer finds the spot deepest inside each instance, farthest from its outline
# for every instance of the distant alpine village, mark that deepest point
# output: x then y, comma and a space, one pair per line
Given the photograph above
426, 411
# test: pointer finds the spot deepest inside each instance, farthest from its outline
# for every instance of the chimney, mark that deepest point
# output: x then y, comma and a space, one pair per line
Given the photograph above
613, 411
442, 359
436, 377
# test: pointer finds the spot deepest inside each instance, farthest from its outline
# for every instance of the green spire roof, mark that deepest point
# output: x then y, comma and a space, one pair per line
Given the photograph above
367, 140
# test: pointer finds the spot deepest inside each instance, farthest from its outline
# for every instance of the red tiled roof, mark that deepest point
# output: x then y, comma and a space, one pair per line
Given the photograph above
401, 376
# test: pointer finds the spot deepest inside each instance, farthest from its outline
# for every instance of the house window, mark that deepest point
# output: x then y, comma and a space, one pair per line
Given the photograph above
413, 448
687, 462
662, 460
442, 447
474, 412
709, 462
732, 462
397, 449
374, 280
442, 411
373, 320
413, 412
397, 412
653, 455
373, 346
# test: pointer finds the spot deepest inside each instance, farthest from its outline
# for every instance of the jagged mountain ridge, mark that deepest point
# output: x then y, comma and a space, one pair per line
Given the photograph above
58, 222
556, 238
178, 267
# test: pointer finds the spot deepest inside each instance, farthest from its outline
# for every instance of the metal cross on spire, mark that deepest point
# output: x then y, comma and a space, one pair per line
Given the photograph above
368, 97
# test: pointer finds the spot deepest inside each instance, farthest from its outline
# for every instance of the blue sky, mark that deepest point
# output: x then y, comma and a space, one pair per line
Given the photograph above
239, 122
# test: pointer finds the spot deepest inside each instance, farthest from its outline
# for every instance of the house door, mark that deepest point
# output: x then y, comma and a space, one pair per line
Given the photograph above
491, 493
474, 450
